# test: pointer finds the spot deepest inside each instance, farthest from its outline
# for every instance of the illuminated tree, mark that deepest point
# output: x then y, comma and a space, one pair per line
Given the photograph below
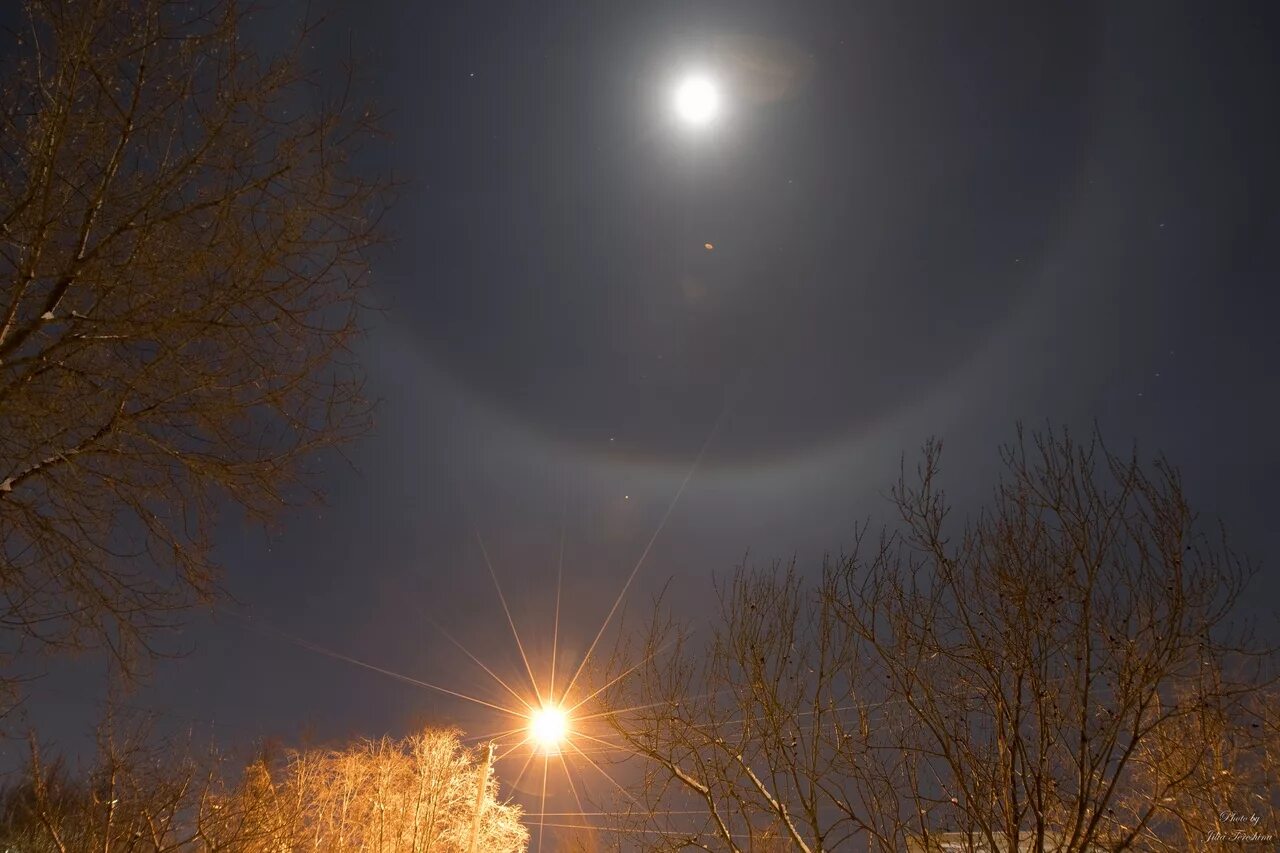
181, 250
1224, 762
1059, 672
416, 795
145, 793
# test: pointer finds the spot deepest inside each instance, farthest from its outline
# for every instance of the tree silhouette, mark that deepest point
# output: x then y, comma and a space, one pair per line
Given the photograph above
1059, 672
182, 243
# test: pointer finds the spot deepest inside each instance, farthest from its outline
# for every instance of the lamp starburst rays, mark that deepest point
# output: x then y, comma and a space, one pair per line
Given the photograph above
551, 719
545, 720
552, 716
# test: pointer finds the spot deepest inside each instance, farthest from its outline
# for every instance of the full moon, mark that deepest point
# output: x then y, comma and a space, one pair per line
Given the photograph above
697, 100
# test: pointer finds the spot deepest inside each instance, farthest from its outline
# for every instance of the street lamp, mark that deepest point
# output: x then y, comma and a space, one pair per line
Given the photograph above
548, 727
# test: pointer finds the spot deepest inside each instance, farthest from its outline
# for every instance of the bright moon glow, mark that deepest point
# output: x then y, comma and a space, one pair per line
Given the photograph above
548, 727
697, 100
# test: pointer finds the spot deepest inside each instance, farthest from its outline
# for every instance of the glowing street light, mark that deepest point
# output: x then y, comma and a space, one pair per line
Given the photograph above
548, 727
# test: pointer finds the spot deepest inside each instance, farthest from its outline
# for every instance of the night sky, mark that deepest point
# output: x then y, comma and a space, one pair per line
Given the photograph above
925, 219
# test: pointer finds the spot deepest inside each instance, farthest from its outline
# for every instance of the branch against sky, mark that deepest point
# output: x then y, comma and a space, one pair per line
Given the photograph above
182, 251
1061, 669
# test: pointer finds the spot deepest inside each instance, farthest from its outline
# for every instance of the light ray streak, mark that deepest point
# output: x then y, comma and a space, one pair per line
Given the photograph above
405, 678
533, 682
621, 745
616, 679
307, 644
555, 628
493, 735
605, 774
546, 764
869, 707
609, 747
609, 814
654, 538
516, 784
613, 750
603, 742
513, 748
665, 702
479, 663
569, 778
665, 833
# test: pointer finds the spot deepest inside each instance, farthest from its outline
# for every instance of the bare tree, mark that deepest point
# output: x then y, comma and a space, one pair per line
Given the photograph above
1224, 758
761, 739
142, 792
1060, 672
182, 246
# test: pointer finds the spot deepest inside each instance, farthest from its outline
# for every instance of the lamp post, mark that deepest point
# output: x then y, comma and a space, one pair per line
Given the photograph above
481, 784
